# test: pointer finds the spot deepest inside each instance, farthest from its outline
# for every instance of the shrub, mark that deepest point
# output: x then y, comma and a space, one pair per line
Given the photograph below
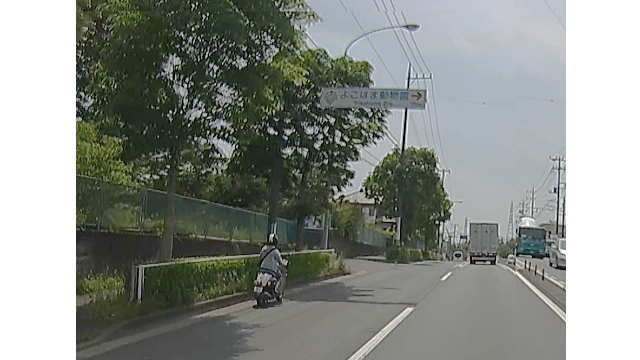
98, 284
430, 255
403, 255
185, 283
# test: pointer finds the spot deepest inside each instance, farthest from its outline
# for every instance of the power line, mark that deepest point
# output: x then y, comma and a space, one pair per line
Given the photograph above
426, 132
430, 121
391, 138
312, 41
555, 15
394, 30
435, 112
370, 43
370, 154
376, 4
404, 37
368, 162
421, 142
543, 179
424, 62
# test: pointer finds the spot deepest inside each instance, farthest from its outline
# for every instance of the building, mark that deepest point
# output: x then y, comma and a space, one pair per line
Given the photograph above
369, 210
551, 229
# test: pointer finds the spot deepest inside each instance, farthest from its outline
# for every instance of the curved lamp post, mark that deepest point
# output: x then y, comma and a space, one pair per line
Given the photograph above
408, 27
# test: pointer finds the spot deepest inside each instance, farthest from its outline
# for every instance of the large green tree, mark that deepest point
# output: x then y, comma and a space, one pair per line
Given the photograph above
416, 178
306, 149
163, 74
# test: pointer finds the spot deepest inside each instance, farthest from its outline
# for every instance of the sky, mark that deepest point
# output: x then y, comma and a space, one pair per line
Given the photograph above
499, 78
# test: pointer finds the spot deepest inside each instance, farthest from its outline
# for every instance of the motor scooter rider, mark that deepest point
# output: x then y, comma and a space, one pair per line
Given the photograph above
271, 262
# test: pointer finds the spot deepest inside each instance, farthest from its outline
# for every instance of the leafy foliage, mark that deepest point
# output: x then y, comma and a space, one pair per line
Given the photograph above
99, 155
163, 74
100, 283
348, 219
311, 145
185, 283
403, 255
417, 179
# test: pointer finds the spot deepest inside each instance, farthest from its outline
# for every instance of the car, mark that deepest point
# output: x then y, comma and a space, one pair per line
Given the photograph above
457, 255
558, 254
511, 259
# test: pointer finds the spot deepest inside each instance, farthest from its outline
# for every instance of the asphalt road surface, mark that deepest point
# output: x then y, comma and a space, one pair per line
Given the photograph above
431, 310
558, 274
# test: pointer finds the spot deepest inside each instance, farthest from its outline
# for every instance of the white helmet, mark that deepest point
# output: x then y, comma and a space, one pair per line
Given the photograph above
272, 240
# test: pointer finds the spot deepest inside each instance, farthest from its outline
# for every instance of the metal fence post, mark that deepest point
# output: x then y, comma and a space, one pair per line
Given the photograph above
542, 274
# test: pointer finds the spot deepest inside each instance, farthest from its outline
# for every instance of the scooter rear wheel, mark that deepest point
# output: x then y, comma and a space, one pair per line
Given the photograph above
261, 301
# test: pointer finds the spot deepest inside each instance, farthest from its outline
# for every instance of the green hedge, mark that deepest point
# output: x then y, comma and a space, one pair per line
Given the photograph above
186, 283
403, 255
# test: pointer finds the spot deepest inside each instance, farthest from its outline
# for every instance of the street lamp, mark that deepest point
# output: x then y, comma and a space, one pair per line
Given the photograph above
408, 27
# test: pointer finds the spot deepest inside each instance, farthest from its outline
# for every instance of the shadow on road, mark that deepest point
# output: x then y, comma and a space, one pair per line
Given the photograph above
339, 292
219, 338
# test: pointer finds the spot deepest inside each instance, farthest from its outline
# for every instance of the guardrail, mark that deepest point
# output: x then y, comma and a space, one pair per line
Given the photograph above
529, 266
137, 275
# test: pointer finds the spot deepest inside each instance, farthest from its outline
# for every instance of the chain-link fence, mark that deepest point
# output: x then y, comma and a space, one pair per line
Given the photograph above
109, 207
371, 237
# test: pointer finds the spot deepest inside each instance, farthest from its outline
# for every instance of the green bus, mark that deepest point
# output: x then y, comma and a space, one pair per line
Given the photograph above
531, 239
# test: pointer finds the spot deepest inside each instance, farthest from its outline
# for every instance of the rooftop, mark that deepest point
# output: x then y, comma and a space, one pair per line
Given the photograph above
358, 197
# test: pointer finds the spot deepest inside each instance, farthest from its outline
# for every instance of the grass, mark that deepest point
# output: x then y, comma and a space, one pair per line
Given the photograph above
99, 284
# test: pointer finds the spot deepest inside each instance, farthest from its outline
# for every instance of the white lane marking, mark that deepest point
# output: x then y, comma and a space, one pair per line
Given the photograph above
377, 338
446, 276
180, 324
542, 296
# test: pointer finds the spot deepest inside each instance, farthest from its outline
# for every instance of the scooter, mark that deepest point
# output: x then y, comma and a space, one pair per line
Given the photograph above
264, 290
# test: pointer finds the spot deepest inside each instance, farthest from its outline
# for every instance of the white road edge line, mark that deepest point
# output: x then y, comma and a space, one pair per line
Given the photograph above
542, 296
446, 276
245, 305
377, 338
561, 284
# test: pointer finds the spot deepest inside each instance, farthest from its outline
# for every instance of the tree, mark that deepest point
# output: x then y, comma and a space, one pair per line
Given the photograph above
98, 155
165, 73
347, 218
425, 200
306, 149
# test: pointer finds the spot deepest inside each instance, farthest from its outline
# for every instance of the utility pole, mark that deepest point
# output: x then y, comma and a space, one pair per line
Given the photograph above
564, 199
444, 171
400, 227
559, 159
533, 199
466, 224
455, 227
507, 237
401, 184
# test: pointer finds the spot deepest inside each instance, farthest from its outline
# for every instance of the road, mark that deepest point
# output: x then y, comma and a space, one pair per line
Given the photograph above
447, 310
558, 274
